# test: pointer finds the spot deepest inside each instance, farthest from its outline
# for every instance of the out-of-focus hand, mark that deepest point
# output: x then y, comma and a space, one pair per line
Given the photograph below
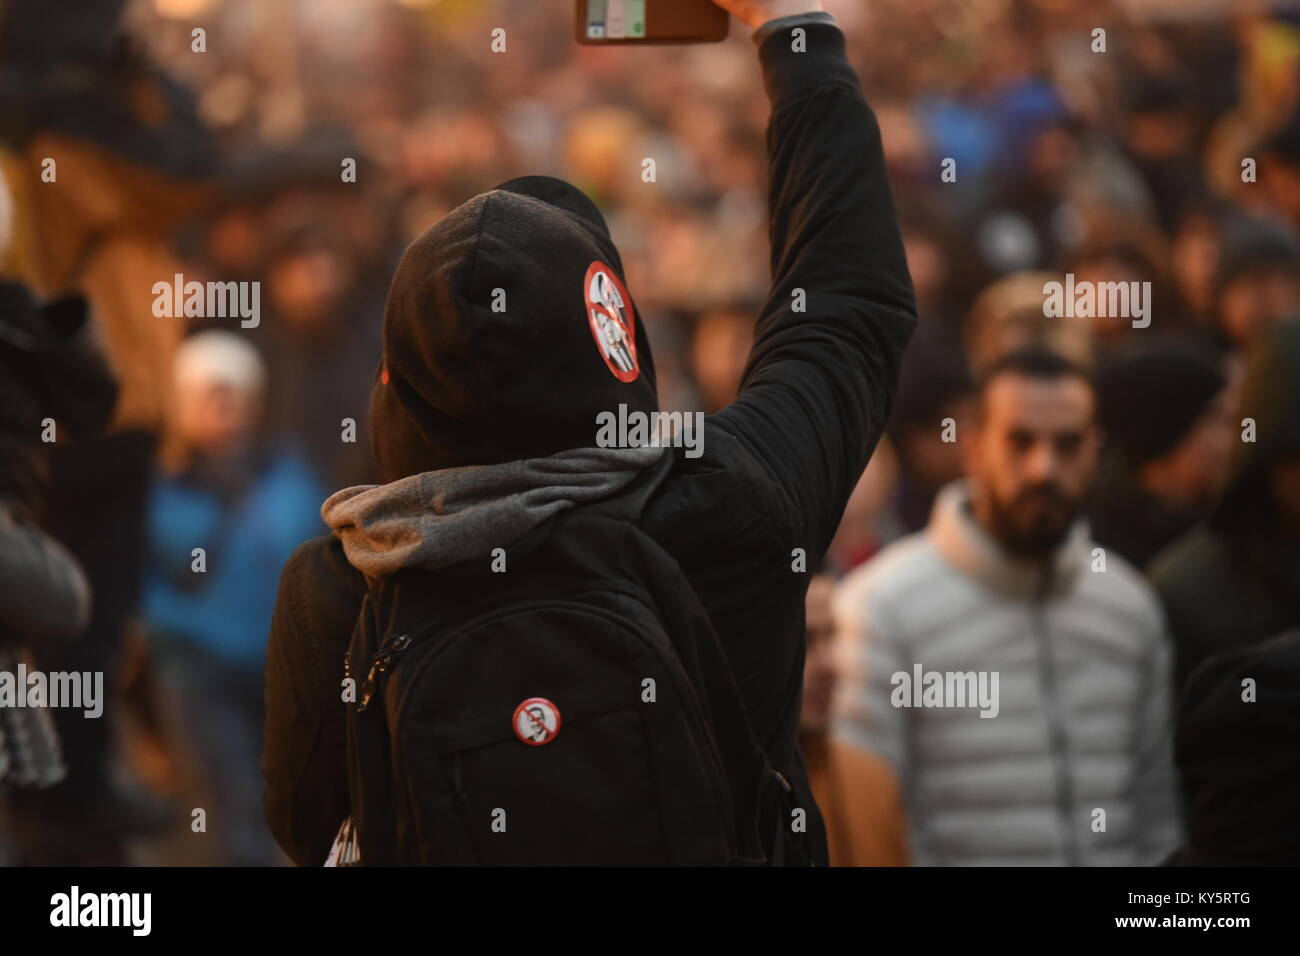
755, 13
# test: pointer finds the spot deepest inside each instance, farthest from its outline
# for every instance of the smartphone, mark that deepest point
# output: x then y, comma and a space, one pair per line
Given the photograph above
650, 21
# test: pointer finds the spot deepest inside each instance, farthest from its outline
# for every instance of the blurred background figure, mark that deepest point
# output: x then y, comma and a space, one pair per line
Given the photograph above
857, 793
723, 338
934, 393
1121, 260
869, 521
55, 387
1280, 172
1258, 278
105, 156
1009, 315
1166, 414
1005, 582
321, 346
1236, 579
224, 516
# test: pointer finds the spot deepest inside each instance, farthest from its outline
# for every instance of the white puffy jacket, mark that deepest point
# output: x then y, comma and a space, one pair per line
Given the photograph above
1075, 768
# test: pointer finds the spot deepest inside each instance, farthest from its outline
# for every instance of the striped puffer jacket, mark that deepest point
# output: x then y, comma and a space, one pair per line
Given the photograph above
1071, 764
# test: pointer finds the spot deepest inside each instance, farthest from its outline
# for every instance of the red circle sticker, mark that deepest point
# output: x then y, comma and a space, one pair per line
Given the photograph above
536, 721
613, 323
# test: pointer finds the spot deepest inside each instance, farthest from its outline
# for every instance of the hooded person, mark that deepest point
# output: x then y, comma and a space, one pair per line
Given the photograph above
465, 408
1235, 580
510, 334
474, 344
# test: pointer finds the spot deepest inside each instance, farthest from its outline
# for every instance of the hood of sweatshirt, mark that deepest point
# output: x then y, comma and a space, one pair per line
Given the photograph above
459, 516
508, 329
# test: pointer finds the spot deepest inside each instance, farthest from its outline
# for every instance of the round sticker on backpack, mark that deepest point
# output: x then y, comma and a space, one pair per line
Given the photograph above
612, 319
536, 721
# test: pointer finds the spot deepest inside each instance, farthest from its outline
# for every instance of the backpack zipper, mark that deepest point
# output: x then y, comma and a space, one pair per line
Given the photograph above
380, 662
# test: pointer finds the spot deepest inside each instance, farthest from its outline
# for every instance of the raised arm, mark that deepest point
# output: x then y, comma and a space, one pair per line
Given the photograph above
822, 373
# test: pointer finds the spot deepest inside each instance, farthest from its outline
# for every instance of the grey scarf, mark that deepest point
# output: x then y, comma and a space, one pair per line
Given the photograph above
439, 518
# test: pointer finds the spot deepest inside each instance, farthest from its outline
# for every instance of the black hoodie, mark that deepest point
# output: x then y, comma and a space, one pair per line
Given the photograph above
493, 348
747, 520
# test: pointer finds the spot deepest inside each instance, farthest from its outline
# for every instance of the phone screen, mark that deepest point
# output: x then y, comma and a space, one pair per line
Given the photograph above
650, 21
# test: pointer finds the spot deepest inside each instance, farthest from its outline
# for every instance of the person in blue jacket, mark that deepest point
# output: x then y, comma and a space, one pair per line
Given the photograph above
225, 513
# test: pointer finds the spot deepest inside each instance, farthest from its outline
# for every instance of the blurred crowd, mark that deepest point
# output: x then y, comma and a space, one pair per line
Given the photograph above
302, 144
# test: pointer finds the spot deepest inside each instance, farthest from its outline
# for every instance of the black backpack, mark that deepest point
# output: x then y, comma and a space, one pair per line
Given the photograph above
577, 709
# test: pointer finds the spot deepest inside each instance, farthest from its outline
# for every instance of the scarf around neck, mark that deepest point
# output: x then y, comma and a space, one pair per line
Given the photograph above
440, 518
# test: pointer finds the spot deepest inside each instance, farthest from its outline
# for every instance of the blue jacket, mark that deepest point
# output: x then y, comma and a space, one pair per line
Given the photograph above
227, 608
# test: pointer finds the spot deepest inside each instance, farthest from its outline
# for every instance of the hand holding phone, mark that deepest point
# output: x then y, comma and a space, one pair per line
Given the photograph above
675, 21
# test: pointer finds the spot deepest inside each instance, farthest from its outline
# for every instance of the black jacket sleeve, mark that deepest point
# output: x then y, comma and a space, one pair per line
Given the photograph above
827, 346
304, 761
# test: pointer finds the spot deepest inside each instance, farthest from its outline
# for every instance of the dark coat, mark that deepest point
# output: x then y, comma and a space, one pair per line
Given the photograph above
1236, 580
1238, 756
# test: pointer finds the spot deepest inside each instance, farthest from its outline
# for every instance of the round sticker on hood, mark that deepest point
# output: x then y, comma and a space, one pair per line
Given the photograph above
613, 324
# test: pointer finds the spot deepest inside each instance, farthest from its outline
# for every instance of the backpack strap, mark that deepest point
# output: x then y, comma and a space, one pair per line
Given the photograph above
763, 789
369, 756
774, 789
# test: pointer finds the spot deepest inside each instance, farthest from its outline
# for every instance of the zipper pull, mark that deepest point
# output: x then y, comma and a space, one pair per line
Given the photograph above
378, 664
368, 688
459, 799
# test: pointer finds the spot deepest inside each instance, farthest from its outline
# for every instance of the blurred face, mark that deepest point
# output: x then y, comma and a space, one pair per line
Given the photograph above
214, 417
931, 459
925, 262
1108, 328
1195, 257
872, 493
1196, 471
1282, 180
1159, 135
305, 287
819, 673
234, 242
718, 353
1032, 460
1052, 155
1252, 303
